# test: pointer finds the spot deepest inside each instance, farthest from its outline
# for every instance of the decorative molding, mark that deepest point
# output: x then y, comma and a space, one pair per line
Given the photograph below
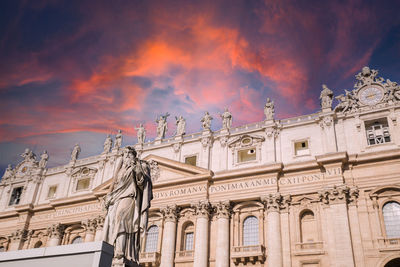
272, 202
223, 140
90, 225
326, 122
177, 147
154, 170
18, 235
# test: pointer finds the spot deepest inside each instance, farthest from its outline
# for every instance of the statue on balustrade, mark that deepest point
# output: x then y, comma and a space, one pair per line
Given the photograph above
180, 126
206, 121
127, 204
75, 152
326, 97
107, 144
269, 109
141, 134
162, 126
226, 119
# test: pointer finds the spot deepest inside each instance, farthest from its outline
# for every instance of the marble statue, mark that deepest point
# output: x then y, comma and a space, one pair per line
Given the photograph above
326, 97
107, 144
206, 121
29, 156
162, 127
118, 139
127, 204
43, 160
226, 119
269, 109
180, 126
141, 134
75, 152
8, 172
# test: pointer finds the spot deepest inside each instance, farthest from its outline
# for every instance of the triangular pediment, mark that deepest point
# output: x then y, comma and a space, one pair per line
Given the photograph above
246, 140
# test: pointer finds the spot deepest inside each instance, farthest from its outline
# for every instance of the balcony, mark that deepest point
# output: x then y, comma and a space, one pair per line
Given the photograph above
149, 259
389, 244
245, 254
184, 256
309, 248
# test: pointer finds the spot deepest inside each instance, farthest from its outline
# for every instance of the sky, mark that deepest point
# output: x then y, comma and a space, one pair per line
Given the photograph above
75, 71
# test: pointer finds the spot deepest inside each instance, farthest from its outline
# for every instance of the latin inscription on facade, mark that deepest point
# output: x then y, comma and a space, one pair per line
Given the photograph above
68, 211
180, 191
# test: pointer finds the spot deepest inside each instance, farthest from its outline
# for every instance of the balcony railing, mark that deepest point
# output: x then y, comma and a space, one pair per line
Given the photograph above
149, 259
309, 248
184, 256
245, 254
389, 243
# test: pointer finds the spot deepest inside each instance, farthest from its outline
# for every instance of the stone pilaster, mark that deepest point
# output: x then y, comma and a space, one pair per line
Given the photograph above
168, 243
90, 227
55, 234
285, 231
99, 228
223, 212
273, 203
336, 198
202, 209
17, 239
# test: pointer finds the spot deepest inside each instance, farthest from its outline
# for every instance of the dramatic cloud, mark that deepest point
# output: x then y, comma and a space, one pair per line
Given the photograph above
74, 72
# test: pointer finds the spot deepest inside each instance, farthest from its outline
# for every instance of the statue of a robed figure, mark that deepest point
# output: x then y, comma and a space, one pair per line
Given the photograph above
127, 204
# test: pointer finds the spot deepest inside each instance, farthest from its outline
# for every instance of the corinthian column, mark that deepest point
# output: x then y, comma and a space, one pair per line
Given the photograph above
168, 243
55, 234
223, 211
274, 242
16, 239
201, 242
99, 228
90, 227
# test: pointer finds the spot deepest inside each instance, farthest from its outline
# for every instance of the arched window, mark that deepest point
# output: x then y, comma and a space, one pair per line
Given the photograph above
391, 216
38, 244
77, 240
151, 239
250, 231
188, 237
308, 227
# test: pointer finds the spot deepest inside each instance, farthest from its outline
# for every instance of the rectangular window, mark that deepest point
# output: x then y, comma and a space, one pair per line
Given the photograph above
52, 191
189, 238
301, 148
83, 184
192, 160
15, 196
247, 155
377, 131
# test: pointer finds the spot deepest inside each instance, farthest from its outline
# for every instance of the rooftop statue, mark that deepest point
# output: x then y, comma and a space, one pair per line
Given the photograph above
269, 109
8, 173
107, 144
75, 152
43, 160
29, 156
206, 121
118, 139
226, 119
326, 97
180, 125
162, 126
127, 204
141, 134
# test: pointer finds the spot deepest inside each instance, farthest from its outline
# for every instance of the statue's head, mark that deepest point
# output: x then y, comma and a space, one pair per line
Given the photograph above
45, 152
9, 167
26, 150
366, 71
129, 150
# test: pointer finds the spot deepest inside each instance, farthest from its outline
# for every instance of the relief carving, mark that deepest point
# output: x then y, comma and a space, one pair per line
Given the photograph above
202, 209
170, 213
223, 209
56, 231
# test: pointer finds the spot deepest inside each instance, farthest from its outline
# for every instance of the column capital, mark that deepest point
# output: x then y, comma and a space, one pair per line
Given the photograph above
90, 225
339, 194
202, 209
170, 213
99, 221
223, 209
272, 202
56, 230
18, 235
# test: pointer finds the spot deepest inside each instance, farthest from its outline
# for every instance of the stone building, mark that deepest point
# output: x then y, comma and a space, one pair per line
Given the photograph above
316, 190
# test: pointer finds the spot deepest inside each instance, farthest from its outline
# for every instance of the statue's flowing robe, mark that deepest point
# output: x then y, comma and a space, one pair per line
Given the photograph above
128, 208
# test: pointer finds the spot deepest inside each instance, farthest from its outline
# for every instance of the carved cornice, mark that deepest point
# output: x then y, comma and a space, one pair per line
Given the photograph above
56, 230
206, 141
339, 194
326, 122
223, 209
170, 213
223, 140
202, 209
272, 132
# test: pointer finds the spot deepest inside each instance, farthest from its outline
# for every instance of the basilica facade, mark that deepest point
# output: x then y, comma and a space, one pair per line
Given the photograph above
317, 190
